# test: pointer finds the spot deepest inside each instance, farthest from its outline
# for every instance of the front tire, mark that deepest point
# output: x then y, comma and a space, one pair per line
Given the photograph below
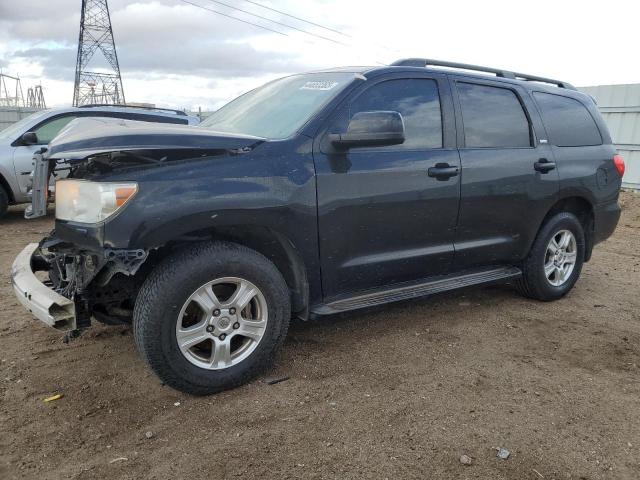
210, 317
4, 202
555, 260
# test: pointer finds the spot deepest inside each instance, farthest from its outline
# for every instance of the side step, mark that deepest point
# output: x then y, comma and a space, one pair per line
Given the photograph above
414, 290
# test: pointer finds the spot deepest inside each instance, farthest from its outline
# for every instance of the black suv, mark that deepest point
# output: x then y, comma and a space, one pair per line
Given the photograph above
315, 194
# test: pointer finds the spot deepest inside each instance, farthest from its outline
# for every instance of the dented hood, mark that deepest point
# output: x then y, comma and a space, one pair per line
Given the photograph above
90, 136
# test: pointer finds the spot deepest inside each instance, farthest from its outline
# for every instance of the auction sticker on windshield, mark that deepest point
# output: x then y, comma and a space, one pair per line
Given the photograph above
318, 85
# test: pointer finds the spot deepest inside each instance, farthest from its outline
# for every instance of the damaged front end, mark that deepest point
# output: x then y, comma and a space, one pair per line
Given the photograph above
66, 287
74, 275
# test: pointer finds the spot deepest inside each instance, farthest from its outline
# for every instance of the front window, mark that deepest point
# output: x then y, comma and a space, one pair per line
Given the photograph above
15, 130
417, 100
48, 130
280, 108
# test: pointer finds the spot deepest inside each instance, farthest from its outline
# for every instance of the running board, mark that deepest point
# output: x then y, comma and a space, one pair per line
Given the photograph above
414, 290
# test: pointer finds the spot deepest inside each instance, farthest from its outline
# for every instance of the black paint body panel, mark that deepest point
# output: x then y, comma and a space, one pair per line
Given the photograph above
363, 219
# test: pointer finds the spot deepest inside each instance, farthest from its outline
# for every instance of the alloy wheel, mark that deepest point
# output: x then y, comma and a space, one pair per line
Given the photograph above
560, 257
221, 323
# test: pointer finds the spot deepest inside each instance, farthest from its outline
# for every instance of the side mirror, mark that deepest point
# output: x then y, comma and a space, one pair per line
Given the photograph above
29, 138
371, 129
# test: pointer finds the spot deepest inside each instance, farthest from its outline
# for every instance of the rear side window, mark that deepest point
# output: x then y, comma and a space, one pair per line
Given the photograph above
568, 122
418, 102
492, 117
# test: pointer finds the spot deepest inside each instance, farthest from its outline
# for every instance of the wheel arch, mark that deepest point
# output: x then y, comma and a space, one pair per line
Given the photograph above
272, 244
7, 188
582, 208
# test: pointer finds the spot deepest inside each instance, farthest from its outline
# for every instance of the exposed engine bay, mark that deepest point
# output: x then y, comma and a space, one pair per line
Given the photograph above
48, 169
90, 147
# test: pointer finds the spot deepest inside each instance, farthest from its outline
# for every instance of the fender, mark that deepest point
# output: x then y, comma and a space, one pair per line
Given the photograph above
9, 187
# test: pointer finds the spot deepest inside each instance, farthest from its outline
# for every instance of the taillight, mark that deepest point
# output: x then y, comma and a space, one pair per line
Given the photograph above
619, 163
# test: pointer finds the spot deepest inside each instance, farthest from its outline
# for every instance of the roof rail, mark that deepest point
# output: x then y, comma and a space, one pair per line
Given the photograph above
177, 112
425, 62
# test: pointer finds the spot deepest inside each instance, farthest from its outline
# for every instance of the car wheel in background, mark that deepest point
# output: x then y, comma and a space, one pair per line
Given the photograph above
4, 202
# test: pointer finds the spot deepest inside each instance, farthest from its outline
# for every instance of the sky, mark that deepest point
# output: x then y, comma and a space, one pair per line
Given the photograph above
177, 55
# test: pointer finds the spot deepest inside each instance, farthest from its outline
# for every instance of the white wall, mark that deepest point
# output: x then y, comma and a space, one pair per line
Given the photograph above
620, 107
9, 115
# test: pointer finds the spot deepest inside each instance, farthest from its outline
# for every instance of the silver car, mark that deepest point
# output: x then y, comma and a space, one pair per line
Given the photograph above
21, 140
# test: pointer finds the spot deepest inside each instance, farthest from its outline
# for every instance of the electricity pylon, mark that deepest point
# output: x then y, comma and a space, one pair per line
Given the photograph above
35, 97
103, 86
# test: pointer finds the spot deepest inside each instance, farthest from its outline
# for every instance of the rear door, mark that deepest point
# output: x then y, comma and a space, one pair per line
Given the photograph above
506, 188
382, 218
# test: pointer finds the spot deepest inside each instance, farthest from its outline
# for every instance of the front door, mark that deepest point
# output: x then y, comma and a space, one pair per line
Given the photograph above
506, 189
382, 219
23, 165
23, 154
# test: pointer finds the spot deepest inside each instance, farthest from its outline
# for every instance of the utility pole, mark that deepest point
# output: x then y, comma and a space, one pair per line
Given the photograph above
10, 97
35, 97
97, 87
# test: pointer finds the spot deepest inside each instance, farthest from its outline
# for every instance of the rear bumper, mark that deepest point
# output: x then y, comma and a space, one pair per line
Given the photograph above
606, 219
44, 303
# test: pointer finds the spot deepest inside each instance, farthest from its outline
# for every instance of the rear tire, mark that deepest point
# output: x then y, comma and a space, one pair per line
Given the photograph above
175, 309
4, 201
552, 268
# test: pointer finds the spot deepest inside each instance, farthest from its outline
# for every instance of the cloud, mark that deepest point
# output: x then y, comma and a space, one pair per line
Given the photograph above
170, 51
207, 59
37, 20
56, 63
153, 37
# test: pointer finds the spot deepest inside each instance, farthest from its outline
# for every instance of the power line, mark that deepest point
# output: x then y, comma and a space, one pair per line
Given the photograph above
321, 26
270, 20
298, 18
234, 18
280, 23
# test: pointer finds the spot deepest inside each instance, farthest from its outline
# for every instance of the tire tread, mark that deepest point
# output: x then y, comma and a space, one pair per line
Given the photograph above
532, 284
145, 328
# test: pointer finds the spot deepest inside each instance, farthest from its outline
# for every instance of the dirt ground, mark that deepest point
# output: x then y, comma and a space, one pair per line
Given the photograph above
399, 392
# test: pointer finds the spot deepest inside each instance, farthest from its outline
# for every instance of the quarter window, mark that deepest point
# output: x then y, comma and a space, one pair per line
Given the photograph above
492, 117
568, 121
417, 100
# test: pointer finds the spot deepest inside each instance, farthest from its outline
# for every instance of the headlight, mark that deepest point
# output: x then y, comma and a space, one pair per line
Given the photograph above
91, 202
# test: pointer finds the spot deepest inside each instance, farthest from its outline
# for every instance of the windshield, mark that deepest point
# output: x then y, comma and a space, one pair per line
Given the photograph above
14, 130
278, 109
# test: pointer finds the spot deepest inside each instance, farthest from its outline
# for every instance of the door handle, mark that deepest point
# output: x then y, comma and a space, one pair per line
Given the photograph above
443, 171
544, 166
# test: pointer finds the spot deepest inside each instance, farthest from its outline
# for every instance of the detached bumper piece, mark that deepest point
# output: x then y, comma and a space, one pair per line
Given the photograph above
40, 186
45, 304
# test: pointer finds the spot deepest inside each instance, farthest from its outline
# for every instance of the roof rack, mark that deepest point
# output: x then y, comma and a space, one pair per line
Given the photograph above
425, 62
144, 107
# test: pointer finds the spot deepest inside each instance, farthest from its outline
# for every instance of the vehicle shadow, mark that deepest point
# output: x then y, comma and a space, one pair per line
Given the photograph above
15, 215
456, 306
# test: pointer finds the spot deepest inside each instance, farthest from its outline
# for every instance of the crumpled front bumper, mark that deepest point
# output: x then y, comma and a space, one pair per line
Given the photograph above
44, 303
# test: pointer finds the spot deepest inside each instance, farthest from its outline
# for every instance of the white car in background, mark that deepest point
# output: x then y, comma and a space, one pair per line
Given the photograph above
18, 142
